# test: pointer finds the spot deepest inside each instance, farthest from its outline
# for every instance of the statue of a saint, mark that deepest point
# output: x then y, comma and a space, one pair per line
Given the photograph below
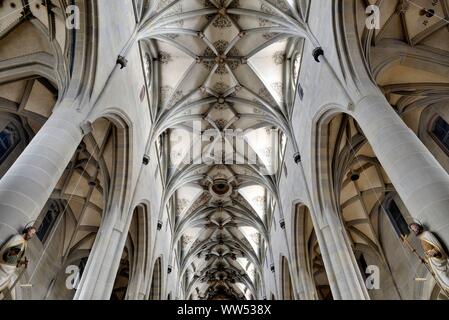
12, 257
436, 256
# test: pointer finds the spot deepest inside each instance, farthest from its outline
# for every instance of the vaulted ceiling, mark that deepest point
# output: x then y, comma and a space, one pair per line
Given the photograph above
223, 75
222, 79
409, 53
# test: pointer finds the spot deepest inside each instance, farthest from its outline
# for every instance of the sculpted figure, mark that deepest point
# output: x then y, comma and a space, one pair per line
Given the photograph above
436, 256
12, 257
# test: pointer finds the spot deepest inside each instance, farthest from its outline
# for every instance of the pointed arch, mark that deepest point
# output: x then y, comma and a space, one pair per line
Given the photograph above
156, 281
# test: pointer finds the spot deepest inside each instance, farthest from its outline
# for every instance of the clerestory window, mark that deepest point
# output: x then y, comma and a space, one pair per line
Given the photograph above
440, 132
9, 138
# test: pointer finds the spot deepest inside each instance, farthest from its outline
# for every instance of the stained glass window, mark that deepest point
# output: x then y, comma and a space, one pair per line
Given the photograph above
397, 219
440, 131
53, 210
9, 138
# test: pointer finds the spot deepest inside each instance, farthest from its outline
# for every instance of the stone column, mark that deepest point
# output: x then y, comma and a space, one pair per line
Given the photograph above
341, 268
419, 179
98, 278
137, 287
304, 284
26, 187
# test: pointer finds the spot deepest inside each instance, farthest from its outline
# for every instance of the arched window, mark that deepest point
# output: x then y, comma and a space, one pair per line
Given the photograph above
156, 282
54, 208
440, 132
397, 219
363, 265
9, 138
287, 286
82, 265
148, 65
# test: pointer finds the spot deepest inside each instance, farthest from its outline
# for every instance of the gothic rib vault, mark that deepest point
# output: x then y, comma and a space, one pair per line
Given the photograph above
229, 66
219, 97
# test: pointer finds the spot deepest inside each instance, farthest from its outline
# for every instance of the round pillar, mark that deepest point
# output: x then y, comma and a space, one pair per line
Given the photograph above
417, 176
28, 184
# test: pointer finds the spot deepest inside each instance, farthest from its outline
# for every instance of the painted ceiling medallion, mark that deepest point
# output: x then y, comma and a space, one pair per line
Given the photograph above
222, 20
165, 57
220, 189
176, 9
222, 59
